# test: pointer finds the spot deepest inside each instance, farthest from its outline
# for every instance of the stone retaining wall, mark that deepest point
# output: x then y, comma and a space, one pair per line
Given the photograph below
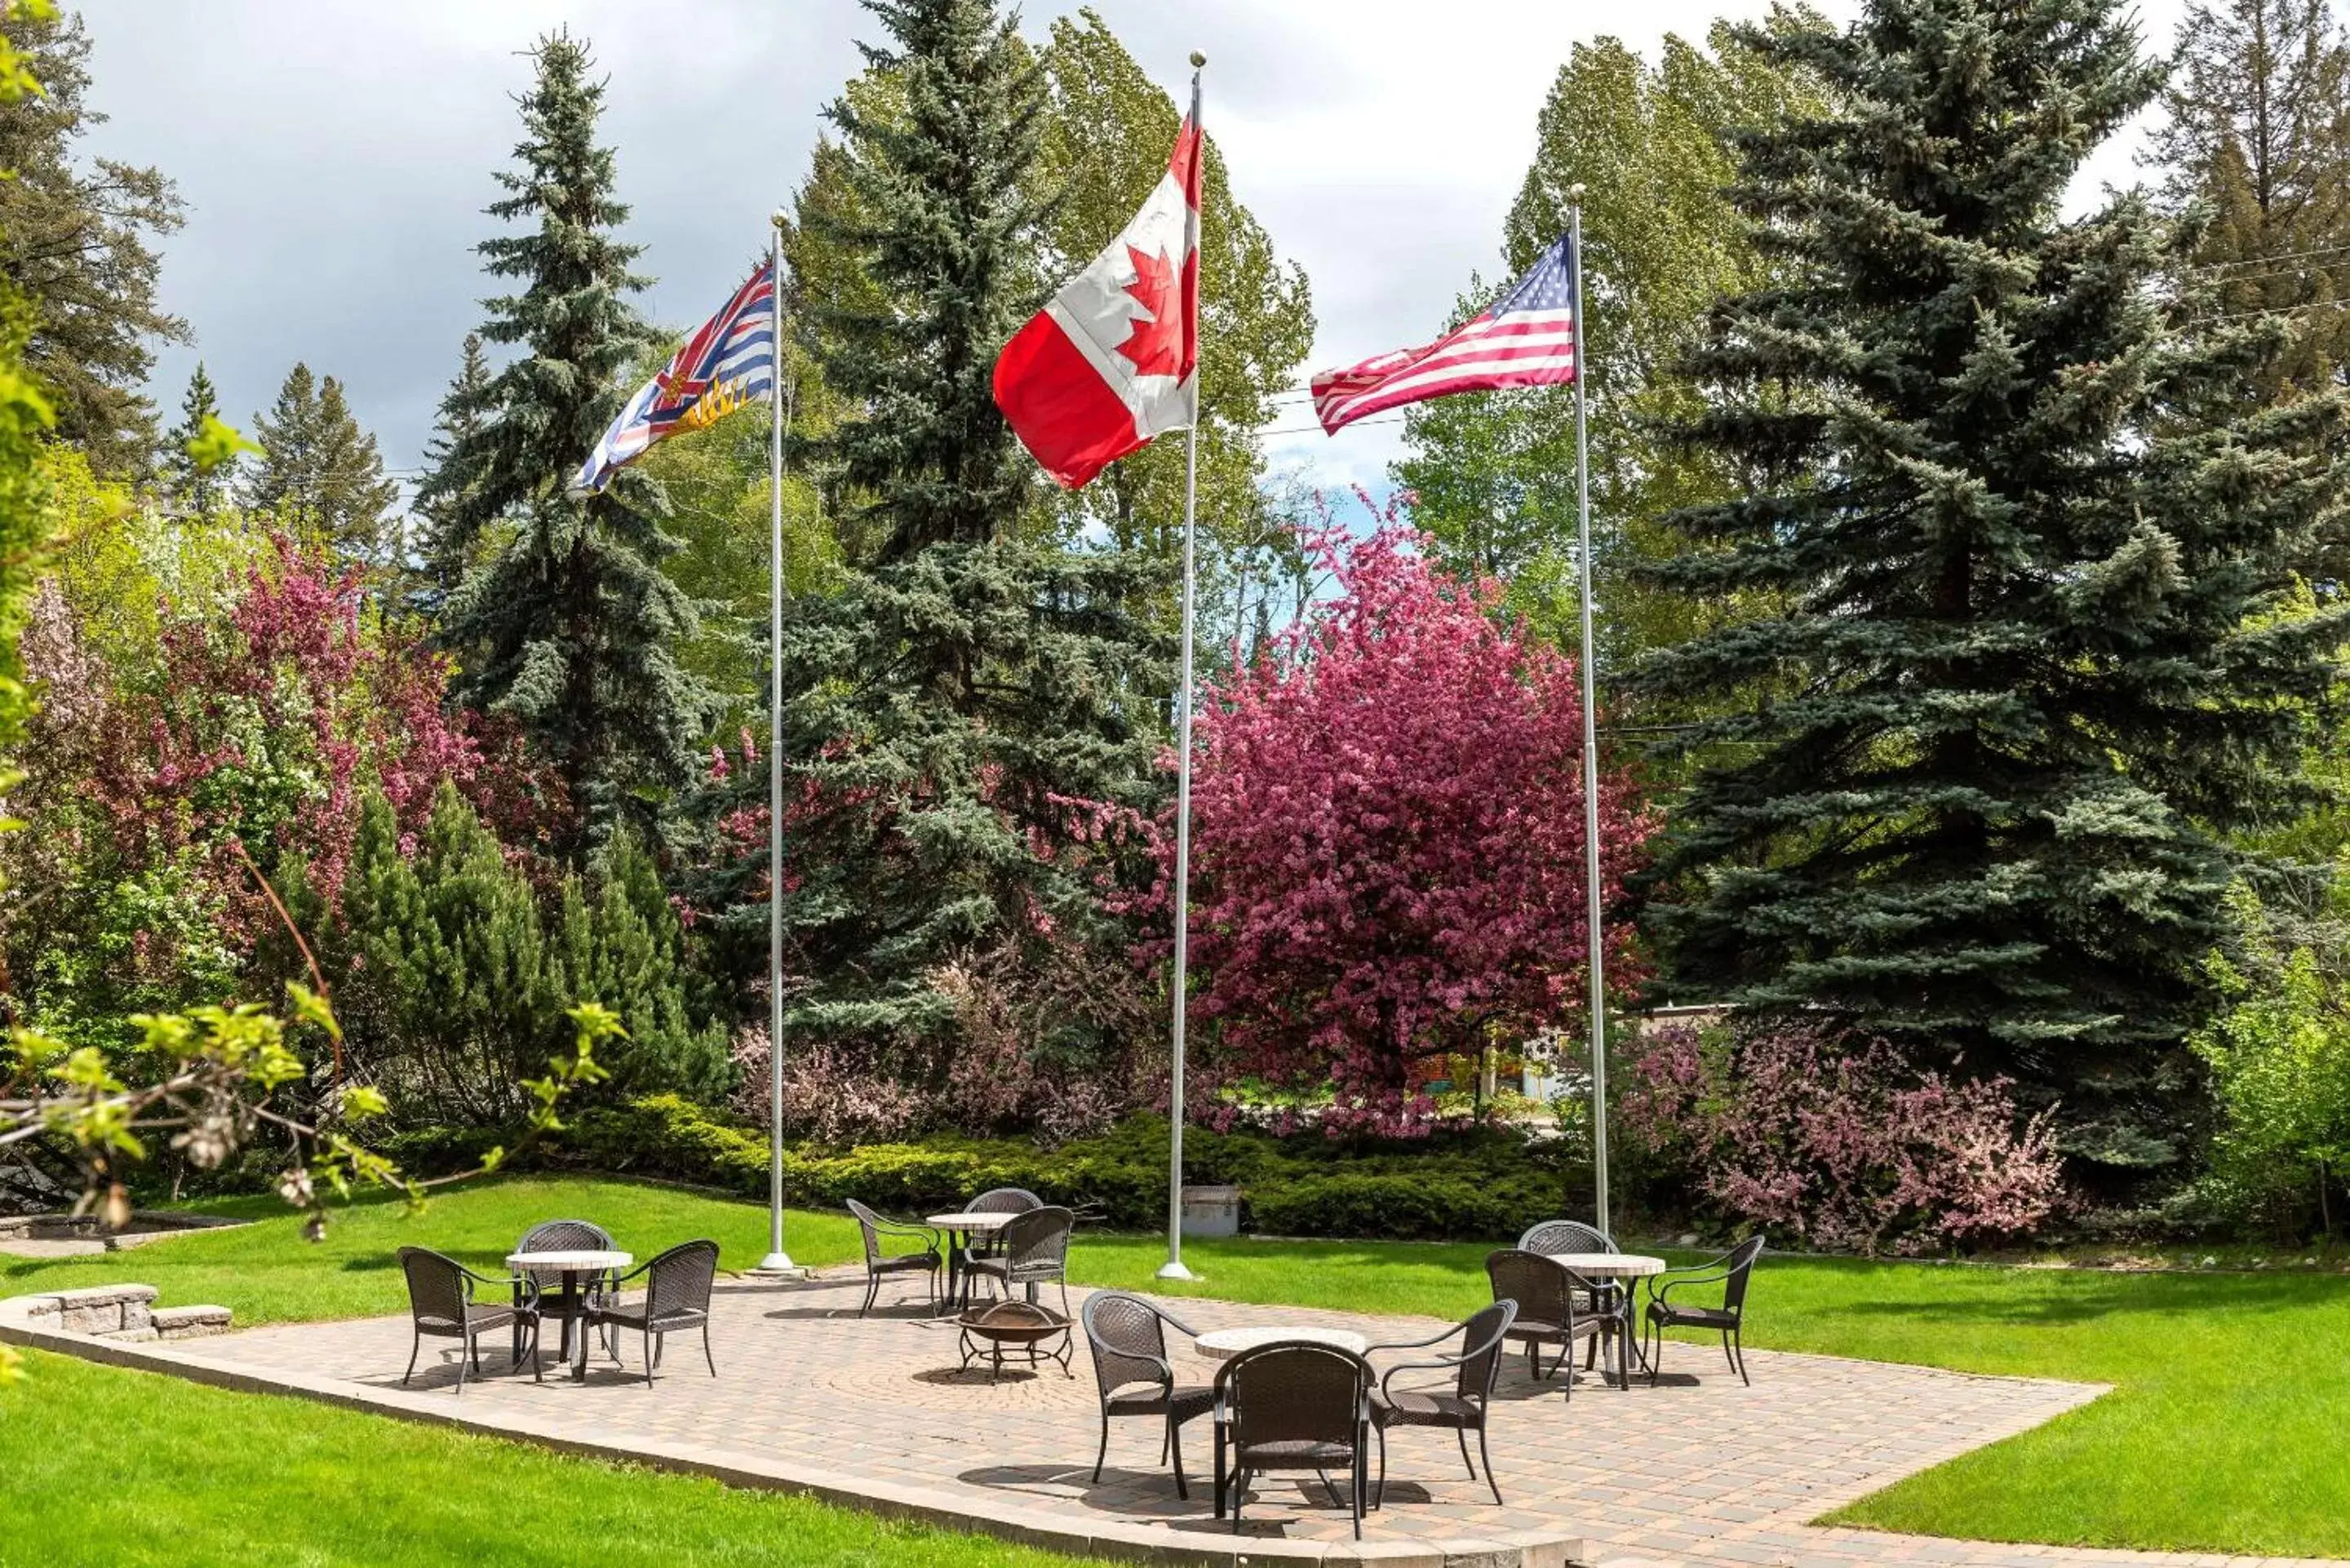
127, 1313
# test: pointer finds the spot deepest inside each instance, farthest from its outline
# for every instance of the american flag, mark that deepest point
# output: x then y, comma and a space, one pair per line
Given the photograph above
729, 361
1526, 340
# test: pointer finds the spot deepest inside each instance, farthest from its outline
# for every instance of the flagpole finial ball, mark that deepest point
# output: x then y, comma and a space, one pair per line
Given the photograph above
1575, 191
779, 217
1198, 59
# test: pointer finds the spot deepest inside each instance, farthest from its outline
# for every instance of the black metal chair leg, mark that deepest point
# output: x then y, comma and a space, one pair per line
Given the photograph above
1462, 1433
1380, 1497
1175, 1449
414, 1349
1725, 1351
705, 1348
1101, 1455
1486, 1454
648, 1354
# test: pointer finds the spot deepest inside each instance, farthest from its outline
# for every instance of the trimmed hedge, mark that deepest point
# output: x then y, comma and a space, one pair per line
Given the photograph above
1482, 1185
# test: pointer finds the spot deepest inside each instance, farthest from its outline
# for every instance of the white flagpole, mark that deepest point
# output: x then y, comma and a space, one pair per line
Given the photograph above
1173, 1269
1593, 930
777, 1260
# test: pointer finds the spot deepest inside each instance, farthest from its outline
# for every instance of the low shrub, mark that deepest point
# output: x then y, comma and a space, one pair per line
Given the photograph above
1483, 1184
1835, 1139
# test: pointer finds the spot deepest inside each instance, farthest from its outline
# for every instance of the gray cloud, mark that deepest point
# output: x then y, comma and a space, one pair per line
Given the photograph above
335, 156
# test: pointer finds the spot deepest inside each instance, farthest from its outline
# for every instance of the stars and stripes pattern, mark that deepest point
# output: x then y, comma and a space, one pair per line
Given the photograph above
1526, 340
729, 361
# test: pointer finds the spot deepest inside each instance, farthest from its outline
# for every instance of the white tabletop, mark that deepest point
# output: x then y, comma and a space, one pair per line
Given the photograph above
570, 1263
1609, 1265
970, 1222
1223, 1344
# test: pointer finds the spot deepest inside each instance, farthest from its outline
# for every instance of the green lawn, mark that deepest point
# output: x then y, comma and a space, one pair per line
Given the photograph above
106, 1469
2224, 1432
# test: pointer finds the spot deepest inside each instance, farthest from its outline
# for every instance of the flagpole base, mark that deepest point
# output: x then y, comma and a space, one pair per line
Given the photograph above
1173, 1269
778, 1265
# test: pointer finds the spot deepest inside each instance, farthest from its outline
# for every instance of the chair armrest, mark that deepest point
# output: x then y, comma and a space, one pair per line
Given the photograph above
1442, 1364
1177, 1323
1658, 1291
1414, 1343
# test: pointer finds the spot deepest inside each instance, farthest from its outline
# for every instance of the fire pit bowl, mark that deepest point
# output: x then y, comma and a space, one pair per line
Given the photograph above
1025, 1327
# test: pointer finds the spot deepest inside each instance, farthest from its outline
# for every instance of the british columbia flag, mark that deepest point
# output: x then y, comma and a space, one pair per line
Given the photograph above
729, 361
1529, 339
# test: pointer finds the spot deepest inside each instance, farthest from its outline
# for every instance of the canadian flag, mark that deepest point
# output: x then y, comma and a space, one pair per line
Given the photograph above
1114, 358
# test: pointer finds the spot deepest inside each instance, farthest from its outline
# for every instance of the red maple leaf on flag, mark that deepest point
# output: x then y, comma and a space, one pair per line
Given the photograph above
1156, 344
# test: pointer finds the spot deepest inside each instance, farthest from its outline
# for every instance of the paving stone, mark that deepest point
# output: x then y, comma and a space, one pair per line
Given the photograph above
1705, 1473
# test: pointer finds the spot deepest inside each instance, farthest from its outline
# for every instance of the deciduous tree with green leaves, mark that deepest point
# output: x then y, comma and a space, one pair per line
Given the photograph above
1491, 474
2256, 129
2029, 553
1108, 128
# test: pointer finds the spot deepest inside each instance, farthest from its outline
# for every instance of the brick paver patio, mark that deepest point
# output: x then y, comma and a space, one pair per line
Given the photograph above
1699, 1470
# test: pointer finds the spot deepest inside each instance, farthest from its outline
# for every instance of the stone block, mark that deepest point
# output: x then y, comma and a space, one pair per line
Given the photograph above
144, 1334
190, 1321
96, 1317
104, 1295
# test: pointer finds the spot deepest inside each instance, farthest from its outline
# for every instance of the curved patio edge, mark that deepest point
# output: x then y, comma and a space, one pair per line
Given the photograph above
1139, 1543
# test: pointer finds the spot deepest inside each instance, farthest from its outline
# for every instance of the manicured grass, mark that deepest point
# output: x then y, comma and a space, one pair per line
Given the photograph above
109, 1469
2223, 1433
269, 1275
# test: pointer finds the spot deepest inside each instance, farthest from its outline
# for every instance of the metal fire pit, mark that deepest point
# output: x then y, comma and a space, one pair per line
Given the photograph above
1025, 1326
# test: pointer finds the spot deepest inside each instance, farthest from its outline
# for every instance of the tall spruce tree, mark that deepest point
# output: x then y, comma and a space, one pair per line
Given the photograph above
77, 242
2036, 651
958, 693
2257, 128
939, 212
571, 624
321, 474
196, 488
464, 411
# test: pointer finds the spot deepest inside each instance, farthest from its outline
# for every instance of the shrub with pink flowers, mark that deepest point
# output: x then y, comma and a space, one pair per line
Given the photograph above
1389, 838
1815, 1134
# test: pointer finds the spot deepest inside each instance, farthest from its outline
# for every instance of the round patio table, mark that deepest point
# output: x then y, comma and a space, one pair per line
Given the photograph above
1223, 1344
969, 1228
579, 1269
1617, 1346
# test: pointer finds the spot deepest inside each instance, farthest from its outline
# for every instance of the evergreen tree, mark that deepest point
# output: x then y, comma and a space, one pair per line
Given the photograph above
464, 411
954, 698
77, 241
569, 624
2258, 133
2036, 648
199, 489
939, 215
321, 474
456, 980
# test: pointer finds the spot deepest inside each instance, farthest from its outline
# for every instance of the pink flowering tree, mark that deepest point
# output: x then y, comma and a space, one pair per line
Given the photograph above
1388, 838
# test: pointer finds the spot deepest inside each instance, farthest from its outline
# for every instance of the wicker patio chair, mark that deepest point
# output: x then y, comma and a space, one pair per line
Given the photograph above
998, 1200
1484, 1339
1730, 1271
1292, 1405
1036, 1249
441, 1304
1575, 1236
564, 1236
1129, 1338
677, 1297
1547, 1314
879, 1262
1566, 1236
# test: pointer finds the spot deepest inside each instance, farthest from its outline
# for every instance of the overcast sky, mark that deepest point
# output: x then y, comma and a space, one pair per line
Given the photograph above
335, 156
